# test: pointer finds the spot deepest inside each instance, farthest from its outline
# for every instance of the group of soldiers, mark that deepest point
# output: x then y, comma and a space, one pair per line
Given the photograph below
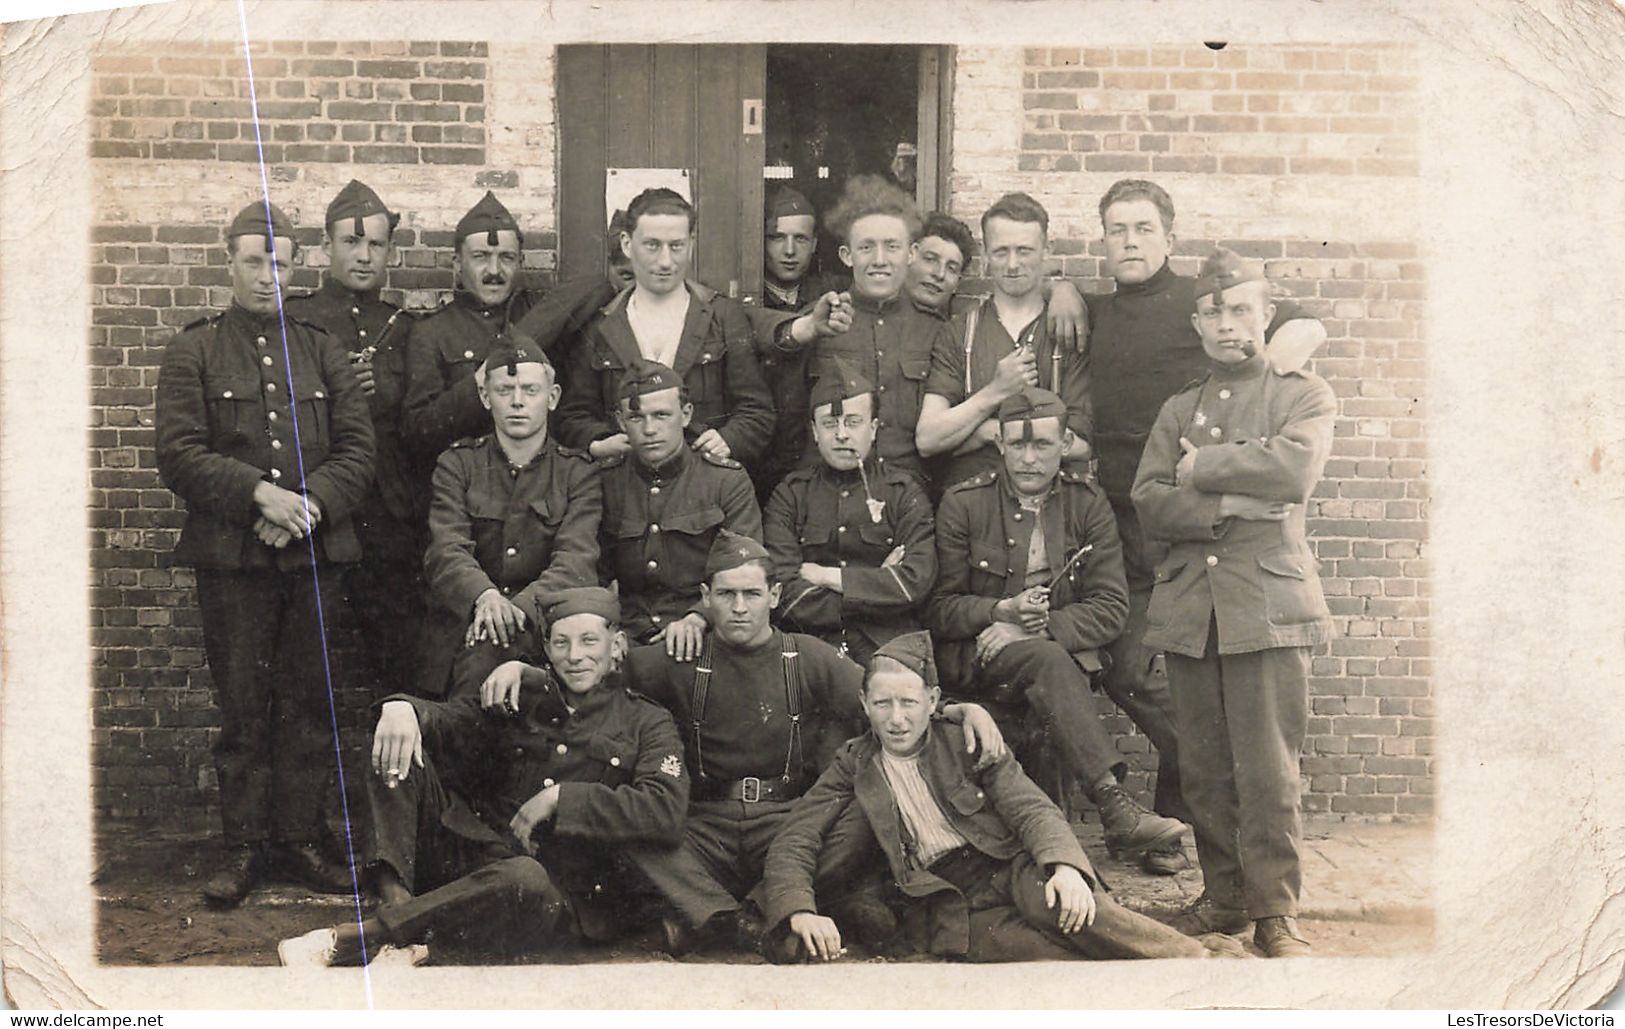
670, 599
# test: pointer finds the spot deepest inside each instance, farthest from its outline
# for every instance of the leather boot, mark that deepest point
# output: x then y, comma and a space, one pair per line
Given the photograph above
236, 877
1130, 828
1278, 937
304, 864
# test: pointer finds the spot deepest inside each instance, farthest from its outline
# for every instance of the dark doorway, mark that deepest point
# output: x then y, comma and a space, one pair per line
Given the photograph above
838, 111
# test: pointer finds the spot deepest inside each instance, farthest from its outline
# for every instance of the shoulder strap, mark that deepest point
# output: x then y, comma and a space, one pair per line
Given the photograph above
972, 317
792, 705
696, 701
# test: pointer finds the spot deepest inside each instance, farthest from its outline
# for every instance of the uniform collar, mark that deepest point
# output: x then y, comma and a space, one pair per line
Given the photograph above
1251, 368
240, 317
670, 468
333, 289
881, 307
548, 446
467, 299
1162, 280
1009, 487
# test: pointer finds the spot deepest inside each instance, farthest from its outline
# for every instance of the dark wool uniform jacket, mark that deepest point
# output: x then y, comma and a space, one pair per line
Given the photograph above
715, 358
823, 516
226, 421
526, 532
446, 347
998, 810
658, 527
1258, 433
617, 760
363, 323
982, 538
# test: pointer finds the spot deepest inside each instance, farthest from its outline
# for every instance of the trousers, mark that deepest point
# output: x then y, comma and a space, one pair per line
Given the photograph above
1058, 690
1010, 920
1241, 720
264, 637
1127, 680
387, 594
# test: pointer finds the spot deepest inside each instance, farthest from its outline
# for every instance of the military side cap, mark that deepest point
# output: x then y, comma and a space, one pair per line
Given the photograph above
514, 350
487, 216
912, 650
252, 220
643, 377
839, 382
358, 201
584, 600
786, 203
1224, 269
1029, 405
730, 550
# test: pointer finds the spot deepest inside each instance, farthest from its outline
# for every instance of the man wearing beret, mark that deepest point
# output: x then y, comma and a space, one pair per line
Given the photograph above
1031, 587
1002, 346
385, 589
447, 348
1142, 352
263, 430
664, 505
705, 338
588, 787
986, 864
514, 517
760, 711
853, 544
1237, 604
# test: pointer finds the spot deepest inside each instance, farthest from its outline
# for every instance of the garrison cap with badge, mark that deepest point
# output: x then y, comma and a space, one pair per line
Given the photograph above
840, 382
357, 201
487, 216
643, 377
1223, 269
583, 600
786, 203
912, 650
1030, 405
513, 350
730, 550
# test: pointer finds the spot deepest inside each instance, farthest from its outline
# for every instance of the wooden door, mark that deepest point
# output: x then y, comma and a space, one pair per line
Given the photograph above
693, 107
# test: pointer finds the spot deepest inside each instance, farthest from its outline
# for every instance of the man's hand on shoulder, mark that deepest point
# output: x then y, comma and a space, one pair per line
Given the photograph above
980, 731
683, 637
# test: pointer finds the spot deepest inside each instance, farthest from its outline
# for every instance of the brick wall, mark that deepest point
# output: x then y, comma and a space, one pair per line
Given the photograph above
367, 103
1332, 235
1302, 157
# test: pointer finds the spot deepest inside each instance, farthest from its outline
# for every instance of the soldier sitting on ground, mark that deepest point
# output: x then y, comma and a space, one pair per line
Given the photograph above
588, 787
987, 867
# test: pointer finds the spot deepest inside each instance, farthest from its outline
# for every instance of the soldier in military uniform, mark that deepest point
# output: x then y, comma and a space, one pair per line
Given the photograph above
448, 346
760, 712
1031, 587
890, 340
1002, 346
664, 505
1142, 351
796, 310
705, 338
558, 321
514, 517
589, 788
385, 590
263, 430
1237, 604
853, 544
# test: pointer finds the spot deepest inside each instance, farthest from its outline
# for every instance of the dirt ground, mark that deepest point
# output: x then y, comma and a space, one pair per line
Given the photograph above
150, 914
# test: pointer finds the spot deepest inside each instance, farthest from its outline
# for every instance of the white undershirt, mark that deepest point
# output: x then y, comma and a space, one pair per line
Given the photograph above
933, 834
657, 322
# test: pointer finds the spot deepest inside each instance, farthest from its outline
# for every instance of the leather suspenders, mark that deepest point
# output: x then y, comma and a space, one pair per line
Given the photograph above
791, 660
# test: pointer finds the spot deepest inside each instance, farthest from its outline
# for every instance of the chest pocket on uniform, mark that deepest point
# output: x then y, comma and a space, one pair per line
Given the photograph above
459, 356
613, 757
707, 379
915, 368
312, 398
700, 521
878, 540
989, 564
1163, 599
233, 404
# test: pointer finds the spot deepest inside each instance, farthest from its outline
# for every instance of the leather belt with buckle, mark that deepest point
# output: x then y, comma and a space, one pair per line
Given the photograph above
750, 790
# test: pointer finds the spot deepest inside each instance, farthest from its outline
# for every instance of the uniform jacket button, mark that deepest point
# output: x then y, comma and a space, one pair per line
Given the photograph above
562, 748
266, 360
1211, 560
982, 563
653, 564
1018, 516
1224, 394
1215, 432
512, 551
547, 782
276, 444
615, 762
271, 415
227, 396
276, 473
468, 355
260, 340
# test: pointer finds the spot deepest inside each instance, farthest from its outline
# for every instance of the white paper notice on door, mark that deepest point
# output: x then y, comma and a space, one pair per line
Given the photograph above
622, 184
